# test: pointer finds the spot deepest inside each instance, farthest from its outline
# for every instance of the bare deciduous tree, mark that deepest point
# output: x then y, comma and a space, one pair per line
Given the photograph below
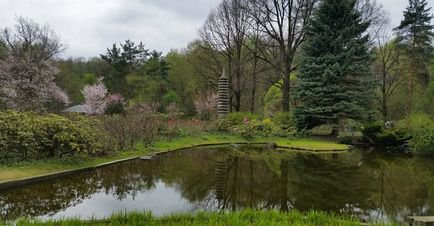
373, 13
386, 70
284, 23
225, 32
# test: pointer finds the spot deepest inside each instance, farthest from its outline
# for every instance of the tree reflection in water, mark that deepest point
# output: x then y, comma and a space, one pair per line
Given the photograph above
369, 185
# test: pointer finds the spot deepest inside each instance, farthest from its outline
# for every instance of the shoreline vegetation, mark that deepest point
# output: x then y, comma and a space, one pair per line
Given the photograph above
245, 217
32, 169
256, 74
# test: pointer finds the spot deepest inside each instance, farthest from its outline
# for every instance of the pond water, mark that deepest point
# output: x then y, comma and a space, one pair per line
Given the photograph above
371, 186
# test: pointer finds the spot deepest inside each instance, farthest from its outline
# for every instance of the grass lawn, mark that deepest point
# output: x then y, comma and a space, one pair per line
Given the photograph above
38, 168
246, 217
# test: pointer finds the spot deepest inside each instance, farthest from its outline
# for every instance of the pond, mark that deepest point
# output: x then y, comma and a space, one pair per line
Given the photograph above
371, 186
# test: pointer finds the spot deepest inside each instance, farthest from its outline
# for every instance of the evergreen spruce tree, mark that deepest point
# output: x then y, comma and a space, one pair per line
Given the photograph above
334, 76
415, 34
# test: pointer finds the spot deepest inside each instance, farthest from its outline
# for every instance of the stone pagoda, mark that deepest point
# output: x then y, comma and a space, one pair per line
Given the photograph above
223, 96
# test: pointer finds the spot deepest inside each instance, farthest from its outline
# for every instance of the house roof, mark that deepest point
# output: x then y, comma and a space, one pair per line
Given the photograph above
75, 109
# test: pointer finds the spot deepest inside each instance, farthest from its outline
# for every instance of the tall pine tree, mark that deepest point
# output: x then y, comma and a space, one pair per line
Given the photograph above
334, 76
415, 33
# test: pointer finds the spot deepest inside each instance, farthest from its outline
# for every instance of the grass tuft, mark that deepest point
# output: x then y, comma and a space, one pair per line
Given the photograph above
245, 217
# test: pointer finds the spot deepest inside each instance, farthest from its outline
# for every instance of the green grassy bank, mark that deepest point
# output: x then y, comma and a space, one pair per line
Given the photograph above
38, 168
247, 217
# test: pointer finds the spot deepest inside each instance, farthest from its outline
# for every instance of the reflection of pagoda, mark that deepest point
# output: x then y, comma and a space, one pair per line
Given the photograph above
221, 167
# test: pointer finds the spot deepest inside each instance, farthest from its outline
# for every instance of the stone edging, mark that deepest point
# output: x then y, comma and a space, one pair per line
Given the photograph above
30, 180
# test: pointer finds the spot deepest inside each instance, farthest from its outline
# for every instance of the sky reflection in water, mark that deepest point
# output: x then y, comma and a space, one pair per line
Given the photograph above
371, 186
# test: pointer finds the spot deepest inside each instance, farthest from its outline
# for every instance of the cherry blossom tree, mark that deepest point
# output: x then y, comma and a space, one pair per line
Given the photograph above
27, 68
206, 105
95, 98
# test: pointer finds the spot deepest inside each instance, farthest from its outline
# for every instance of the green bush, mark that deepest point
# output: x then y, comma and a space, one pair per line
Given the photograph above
102, 143
273, 100
285, 119
415, 121
223, 125
240, 117
26, 136
115, 108
377, 134
422, 142
257, 128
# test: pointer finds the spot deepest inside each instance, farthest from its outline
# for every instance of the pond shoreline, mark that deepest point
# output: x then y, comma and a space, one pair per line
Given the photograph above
244, 217
183, 182
157, 150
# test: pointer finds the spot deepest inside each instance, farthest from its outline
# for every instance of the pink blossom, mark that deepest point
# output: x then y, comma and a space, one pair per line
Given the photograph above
28, 86
115, 98
95, 98
206, 104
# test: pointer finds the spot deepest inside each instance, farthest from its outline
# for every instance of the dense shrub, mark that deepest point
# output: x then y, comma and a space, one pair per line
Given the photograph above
273, 100
175, 127
284, 119
241, 117
102, 142
421, 128
422, 142
25, 136
415, 121
115, 104
115, 108
126, 130
223, 125
252, 126
377, 134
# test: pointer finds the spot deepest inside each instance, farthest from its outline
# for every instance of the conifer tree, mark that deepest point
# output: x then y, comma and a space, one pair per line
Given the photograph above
415, 33
334, 76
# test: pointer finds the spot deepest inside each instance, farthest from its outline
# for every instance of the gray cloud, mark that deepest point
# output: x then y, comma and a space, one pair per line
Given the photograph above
90, 26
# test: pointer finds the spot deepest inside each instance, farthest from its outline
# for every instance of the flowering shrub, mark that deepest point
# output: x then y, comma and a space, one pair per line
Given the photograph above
206, 105
95, 98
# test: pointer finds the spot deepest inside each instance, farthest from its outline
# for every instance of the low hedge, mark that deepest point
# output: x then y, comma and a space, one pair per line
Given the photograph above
26, 136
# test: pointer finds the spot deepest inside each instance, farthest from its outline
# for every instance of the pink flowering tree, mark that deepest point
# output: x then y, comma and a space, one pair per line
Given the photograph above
115, 99
95, 98
28, 67
206, 105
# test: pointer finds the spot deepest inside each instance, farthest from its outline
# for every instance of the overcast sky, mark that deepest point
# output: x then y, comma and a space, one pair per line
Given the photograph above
90, 26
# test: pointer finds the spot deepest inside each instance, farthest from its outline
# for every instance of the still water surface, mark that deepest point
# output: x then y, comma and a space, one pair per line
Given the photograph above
371, 186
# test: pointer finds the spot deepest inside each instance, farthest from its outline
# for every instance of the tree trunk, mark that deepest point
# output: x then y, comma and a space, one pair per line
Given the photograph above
253, 97
410, 90
237, 104
384, 99
286, 88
